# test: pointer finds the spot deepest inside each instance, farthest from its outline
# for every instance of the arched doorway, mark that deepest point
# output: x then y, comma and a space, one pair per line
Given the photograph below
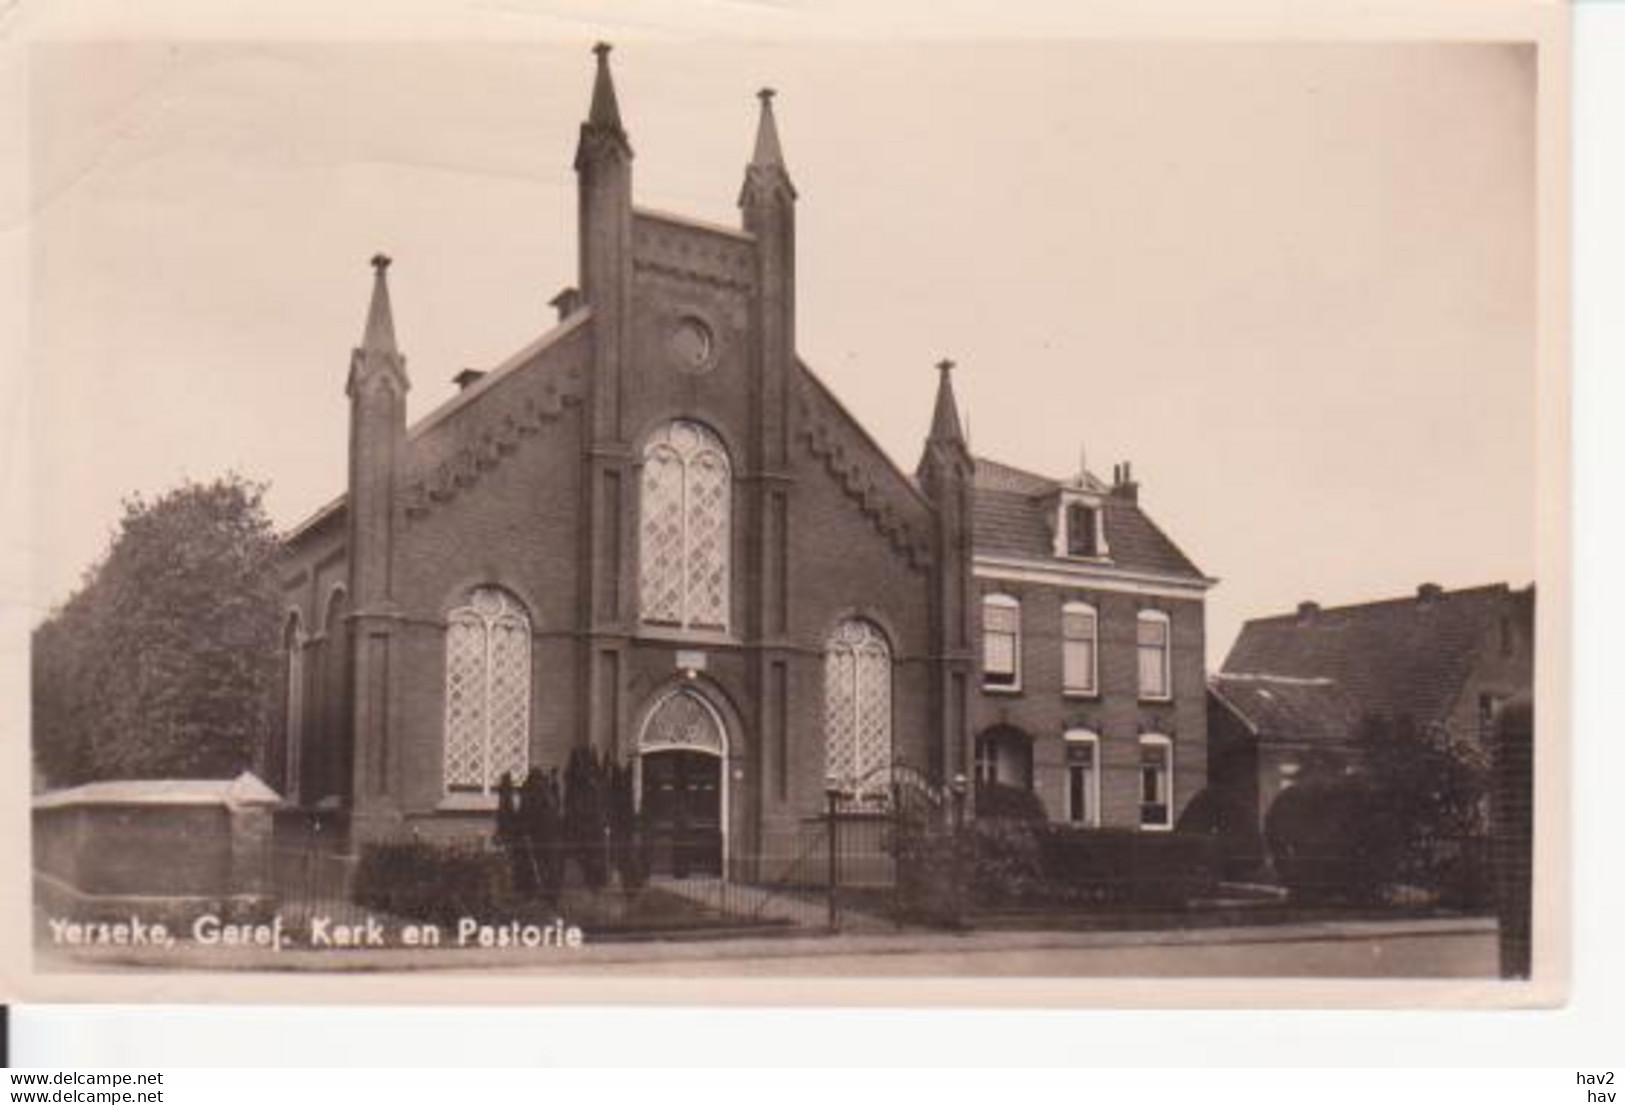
683, 785
1004, 756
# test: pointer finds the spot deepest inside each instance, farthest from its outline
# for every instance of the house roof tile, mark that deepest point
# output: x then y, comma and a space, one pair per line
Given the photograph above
1281, 708
1014, 513
1404, 657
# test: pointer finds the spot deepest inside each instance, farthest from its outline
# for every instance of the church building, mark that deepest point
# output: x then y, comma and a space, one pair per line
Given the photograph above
654, 531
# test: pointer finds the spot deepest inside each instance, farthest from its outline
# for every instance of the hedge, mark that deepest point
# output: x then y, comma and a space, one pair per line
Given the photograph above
433, 882
1126, 867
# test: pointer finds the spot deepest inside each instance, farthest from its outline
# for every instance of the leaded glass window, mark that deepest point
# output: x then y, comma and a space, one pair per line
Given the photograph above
857, 708
487, 692
683, 721
686, 493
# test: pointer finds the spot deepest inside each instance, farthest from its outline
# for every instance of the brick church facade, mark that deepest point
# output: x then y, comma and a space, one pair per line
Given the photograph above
655, 532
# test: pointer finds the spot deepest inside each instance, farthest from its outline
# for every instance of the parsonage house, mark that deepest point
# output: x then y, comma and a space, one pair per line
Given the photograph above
1297, 690
655, 532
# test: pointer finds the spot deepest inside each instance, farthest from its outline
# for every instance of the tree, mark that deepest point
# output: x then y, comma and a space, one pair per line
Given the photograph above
1426, 797
164, 663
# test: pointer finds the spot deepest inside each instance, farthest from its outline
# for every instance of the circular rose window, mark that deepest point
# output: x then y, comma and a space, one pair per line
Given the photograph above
691, 345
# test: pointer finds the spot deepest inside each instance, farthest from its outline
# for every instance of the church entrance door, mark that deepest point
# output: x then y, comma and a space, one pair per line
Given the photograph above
682, 810
683, 784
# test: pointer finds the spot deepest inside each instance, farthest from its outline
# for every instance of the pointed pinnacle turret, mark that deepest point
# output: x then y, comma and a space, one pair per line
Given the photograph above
766, 171
602, 134
768, 151
945, 427
605, 111
378, 352
379, 335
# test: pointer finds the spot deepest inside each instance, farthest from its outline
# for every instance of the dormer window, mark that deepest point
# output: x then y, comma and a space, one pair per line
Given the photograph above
1082, 521
1080, 531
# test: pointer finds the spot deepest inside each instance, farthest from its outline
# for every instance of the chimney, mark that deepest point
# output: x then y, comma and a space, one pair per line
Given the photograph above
1428, 594
1123, 485
566, 303
1307, 612
467, 378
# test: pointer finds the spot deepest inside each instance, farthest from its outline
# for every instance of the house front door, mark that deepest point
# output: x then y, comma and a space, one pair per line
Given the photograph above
682, 812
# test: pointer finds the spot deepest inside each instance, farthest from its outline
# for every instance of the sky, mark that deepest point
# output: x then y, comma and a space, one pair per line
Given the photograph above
1293, 284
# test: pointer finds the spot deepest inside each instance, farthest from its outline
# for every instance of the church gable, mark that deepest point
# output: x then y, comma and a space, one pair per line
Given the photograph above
495, 418
688, 251
692, 287
892, 505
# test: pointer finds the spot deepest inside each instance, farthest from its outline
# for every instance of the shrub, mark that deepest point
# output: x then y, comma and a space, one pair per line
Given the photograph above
427, 881
1006, 862
1466, 874
998, 801
1426, 792
629, 844
585, 821
537, 848
931, 859
1325, 845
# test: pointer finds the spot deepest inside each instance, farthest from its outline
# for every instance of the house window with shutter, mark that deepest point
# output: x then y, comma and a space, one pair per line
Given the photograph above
1080, 641
1001, 643
1154, 647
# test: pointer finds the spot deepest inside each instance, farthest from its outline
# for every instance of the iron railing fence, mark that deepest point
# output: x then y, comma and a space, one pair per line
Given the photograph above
866, 860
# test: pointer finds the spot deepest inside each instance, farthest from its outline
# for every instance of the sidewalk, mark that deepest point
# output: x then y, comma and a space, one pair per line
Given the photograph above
669, 953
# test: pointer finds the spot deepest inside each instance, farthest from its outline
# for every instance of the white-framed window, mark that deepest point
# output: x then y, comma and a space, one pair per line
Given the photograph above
858, 707
1082, 778
685, 504
1001, 642
1156, 782
487, 692
1155, 636
1080, 645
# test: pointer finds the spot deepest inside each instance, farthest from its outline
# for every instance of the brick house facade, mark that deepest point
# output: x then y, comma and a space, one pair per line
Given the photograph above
656, 533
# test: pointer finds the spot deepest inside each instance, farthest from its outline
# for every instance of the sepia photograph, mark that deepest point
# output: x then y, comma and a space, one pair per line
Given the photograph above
657, 508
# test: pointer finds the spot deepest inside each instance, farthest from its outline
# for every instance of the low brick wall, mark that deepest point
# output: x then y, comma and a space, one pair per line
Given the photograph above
163, 850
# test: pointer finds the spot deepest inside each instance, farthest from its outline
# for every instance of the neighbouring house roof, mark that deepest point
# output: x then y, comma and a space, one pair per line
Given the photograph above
1286, 709
1406, 657
245, 790
1015, 515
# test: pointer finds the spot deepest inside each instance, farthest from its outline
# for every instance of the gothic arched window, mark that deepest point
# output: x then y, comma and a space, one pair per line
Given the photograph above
293, 703
683, 530
332, 775
857, 707
487, 692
